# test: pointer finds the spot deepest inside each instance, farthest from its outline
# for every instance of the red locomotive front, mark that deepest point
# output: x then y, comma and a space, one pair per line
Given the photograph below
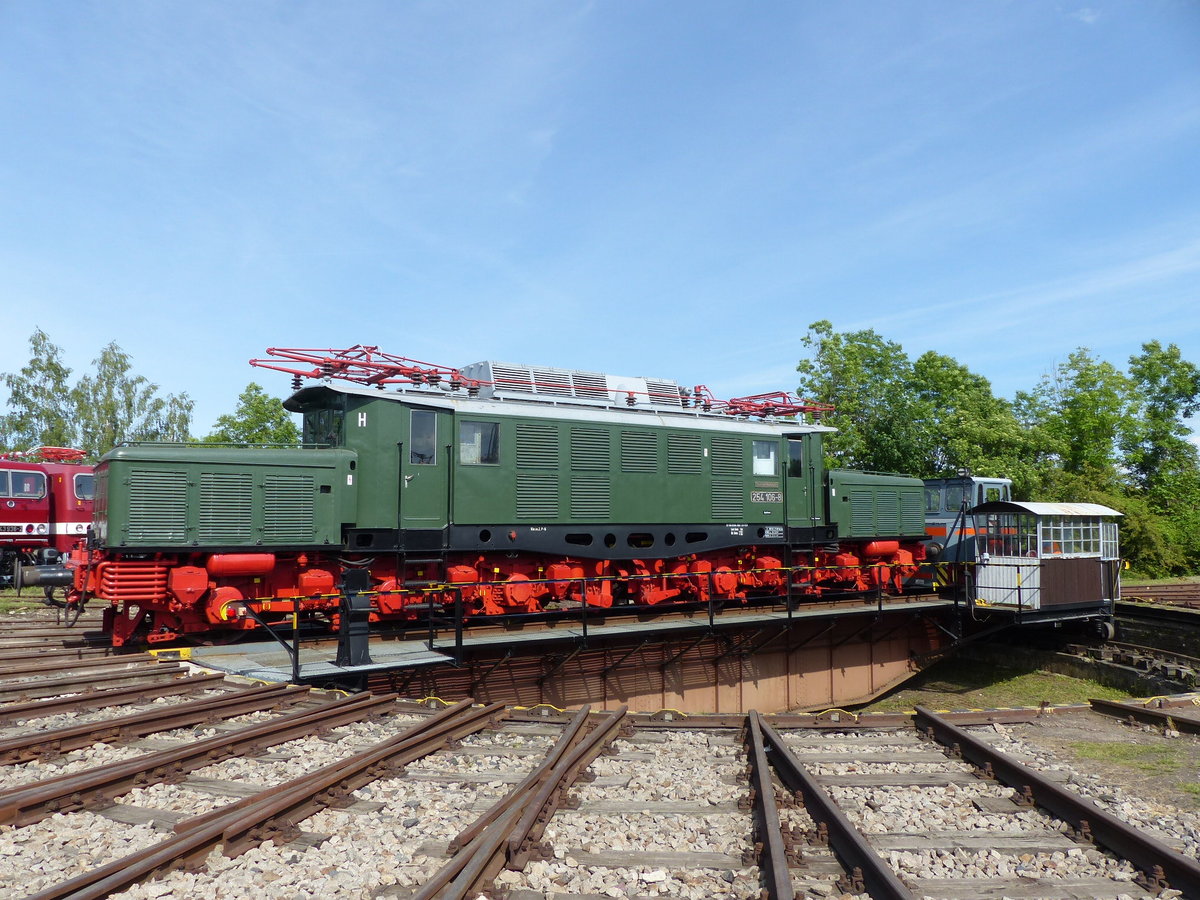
46, 499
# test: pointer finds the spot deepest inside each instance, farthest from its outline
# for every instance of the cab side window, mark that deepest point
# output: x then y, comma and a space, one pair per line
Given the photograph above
85, 487
478, 443
795, 459
764, 457
27, 485
423, 443
3, 484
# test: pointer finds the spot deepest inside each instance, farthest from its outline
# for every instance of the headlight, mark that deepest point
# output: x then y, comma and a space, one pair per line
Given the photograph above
41, 529
80, 528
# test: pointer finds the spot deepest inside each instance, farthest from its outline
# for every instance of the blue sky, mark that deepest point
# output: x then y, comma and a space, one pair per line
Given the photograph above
675, 189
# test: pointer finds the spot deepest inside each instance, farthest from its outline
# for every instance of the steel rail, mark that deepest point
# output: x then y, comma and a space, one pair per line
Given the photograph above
18, 655
242, 825
492, 828
518, 818
80, 665
549, 795
1147, 715
52, 686
1162, 866
770, 847
831, 720
857, 856
427, 736
136, 725
333, 784
573, 733
34, 709
30, 803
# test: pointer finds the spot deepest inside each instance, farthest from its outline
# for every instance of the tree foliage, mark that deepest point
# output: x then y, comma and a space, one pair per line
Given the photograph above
880, 424
40, 413
103, 408
258, 419
1087, 432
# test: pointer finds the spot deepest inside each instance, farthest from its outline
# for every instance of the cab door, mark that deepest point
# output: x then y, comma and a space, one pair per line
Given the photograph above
804, 506
425, 469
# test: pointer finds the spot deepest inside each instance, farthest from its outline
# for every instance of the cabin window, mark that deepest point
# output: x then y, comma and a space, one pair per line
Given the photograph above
85, 487
764, 457
933, 499
993, 494
478, 443
795, 459
955, 494
23, 485
422, 449
323, 426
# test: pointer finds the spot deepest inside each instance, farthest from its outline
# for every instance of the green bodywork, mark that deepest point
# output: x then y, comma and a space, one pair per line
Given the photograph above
427, 463
572, 468
869, 505
178, 496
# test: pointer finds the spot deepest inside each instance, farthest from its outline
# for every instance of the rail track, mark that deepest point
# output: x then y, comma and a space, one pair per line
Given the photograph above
222, 790
162, 782
1173, 594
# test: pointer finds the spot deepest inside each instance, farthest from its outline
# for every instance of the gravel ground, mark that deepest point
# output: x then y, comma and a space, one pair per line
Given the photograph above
1125, 793
377, 852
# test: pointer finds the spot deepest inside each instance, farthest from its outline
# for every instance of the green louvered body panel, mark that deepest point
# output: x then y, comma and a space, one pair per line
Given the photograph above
158, 509
162, 496
869, 505
226, 507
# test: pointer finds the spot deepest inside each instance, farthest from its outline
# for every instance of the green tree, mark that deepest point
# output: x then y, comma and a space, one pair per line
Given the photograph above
968, 426
258, 419
40, 412
1167, 388
881, 423
1083, 413
114, 405
1162, 462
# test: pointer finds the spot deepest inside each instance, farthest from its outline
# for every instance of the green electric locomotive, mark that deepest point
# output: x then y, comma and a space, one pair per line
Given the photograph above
511, 488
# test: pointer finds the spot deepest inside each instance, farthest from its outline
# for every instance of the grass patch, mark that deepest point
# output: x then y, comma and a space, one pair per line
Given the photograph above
1149, 759
10, 602
968, 684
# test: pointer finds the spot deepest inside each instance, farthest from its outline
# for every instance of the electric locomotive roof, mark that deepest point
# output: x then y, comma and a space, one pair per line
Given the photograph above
368, 367
441, 397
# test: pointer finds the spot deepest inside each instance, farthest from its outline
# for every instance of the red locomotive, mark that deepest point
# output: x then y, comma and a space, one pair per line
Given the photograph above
46, 499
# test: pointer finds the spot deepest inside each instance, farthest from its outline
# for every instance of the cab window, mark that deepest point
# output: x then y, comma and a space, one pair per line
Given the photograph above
795, 459
23, 485
3, 484
954, 496
933, 499
478, 443
323, 426
85, 487
423, 438
764, 457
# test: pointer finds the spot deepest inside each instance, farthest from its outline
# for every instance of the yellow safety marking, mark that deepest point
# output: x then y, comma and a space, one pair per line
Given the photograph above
539, 706
172, 653
838, 710
431, 697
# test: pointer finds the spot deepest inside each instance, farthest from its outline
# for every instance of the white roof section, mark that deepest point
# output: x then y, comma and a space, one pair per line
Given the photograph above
518, 381
641, 415
1047, 509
